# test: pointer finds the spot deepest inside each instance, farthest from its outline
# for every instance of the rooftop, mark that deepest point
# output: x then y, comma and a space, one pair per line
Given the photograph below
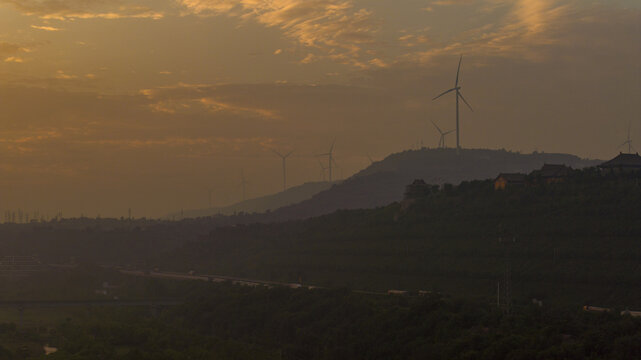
512, 177
623, 160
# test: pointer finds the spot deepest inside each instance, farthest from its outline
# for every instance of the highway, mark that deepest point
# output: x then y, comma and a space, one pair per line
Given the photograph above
212, 278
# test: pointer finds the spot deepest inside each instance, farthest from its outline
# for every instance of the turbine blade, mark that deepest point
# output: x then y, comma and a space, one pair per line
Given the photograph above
465, 101
277, 153
289, 153
443, 93
458, 70
449, 132
437, 128
332, 147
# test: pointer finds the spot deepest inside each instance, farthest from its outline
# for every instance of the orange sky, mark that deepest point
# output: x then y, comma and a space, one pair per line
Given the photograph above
111, 104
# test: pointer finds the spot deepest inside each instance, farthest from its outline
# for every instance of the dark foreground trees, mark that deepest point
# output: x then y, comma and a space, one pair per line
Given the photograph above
231, 322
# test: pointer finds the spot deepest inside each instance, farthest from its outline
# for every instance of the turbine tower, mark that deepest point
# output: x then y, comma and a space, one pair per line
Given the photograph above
457, 88
323, 168
330, 155
284, 157
629, 141
441, 142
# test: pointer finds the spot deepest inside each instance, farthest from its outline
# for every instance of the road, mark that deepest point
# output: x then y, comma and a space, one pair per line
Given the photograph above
212, 278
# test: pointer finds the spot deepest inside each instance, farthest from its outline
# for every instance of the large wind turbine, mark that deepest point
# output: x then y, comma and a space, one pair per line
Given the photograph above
330, 154
284, 157
629, 141
323, 168
441, 142
457, 88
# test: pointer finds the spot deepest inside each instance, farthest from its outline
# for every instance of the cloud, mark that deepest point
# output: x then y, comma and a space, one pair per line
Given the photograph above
523, 30
61, 75
83, 9
14, 59
189, 98
45, 28
334, 27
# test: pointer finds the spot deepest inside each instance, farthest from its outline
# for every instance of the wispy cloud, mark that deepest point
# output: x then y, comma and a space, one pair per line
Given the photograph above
14, 59
83, 9
45, 28
522, 29
192, 97
334, 27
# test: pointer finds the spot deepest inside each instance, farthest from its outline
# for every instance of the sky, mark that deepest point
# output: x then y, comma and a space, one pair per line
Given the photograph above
107, 105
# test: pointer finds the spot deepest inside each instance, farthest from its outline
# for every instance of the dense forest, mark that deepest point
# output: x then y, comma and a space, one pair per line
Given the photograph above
223, 321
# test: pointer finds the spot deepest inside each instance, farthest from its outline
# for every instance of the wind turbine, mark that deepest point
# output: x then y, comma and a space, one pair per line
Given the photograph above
323, 168
330, 155
457, 88
441, 142
629, 141
371, 161
284, 157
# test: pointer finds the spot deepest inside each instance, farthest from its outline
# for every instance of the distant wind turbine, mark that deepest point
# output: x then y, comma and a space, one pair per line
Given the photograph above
371, 161
331, 161
629, 141
441, 142
457, 88
284, 157
323, 168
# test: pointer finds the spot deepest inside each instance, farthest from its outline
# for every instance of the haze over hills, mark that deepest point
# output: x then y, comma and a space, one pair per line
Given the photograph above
384, 181
261, 204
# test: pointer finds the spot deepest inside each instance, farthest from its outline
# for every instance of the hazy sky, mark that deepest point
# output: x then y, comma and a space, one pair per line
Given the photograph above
111, 104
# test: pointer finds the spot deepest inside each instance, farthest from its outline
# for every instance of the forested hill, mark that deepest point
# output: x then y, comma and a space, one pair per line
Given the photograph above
577, 241
384, 181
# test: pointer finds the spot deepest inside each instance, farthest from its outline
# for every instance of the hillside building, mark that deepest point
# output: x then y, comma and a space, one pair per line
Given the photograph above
506, 180
553, 173
418, 189
622, 163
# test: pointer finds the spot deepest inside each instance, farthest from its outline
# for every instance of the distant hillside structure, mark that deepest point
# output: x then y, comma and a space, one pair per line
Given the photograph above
506, 180
622, 163
417, 189
553, 173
